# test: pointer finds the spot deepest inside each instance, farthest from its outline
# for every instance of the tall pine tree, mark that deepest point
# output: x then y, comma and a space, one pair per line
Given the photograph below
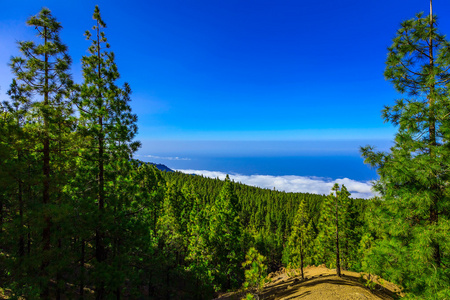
225, 235
300, 239
413, 218
42, 71
108, 128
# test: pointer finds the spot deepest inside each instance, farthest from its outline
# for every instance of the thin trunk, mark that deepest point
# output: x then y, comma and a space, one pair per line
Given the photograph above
20, 199
21, 237
29, 193
116, 254
100, 247
168, 283
197, 288
58, 273
81, 287
45, 294
338, 263
28, 239
58, 201
1, 215
301, 262
434, 215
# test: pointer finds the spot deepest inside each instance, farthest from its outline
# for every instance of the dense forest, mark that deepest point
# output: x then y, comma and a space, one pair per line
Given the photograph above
81, 218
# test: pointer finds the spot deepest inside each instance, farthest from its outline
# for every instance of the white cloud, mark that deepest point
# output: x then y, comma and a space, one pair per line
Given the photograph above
296, 184
165, 157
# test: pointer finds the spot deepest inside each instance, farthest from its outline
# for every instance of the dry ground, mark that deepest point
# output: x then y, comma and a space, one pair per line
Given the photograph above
321, 283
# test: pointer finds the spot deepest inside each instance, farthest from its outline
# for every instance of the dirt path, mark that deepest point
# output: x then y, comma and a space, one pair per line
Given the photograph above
321, 283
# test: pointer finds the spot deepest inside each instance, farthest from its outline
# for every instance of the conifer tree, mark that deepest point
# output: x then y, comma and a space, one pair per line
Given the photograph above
414, 217
300, 238
331, 224
199, 255
225, 235
43, 72
108, 128
324, 252
256, 271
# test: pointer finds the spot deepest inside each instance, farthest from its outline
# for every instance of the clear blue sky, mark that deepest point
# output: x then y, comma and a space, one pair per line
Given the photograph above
238, 70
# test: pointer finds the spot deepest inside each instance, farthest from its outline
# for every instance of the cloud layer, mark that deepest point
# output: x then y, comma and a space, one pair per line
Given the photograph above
291, 183
164, 157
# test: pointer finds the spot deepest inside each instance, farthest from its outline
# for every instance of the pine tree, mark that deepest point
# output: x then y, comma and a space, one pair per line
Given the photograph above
324, 252
225, 235
413, 218
256, 271
199, 255
300, 238
108, 128
43, 72
331, 225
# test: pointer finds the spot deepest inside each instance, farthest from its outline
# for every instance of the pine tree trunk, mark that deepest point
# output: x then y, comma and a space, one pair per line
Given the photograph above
81, 287
301, 263
58, 272
1, 216
58, 201
168, 284
20, 198
100, 247
29, 196
432, 132
28, 239
45, 293
118, 291
338, 263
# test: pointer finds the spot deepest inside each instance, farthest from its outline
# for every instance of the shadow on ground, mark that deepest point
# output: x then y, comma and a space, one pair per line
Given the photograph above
321, 283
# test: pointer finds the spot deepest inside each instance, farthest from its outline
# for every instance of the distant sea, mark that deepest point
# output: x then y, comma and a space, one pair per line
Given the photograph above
332, 166
327, 159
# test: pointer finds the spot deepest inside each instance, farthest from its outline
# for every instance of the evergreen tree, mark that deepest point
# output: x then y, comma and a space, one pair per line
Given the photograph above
331, 225
43, 72
225, 236
413, 218
324, 252
300, 238
255, 273
107, 127
199, 249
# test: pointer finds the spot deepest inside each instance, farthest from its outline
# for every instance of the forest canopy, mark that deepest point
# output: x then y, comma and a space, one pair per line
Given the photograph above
80, 217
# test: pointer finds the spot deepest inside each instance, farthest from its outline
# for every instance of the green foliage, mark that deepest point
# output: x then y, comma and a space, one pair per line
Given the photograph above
249, 296
299, 246
43, 127
256, 271
334, 229
80, 214
225, 236
411, 221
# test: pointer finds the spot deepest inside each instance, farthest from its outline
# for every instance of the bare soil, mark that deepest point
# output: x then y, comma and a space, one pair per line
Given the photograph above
322, 283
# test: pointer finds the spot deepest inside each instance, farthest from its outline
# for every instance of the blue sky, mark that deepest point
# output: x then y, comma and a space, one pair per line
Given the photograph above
205, 73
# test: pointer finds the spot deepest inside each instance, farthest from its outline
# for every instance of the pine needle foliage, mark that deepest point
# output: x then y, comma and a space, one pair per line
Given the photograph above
256, 271
413, 218
107, 128
225, 236
299, 243
43, 72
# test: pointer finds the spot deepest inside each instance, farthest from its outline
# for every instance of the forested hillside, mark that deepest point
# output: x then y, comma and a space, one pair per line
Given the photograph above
80, 217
